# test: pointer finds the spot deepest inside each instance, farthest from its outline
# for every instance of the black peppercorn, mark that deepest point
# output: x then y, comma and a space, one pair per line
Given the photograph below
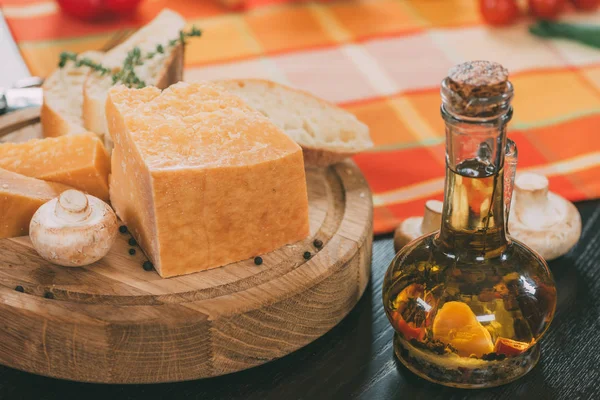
132, 251
306, 255
132, 242
318, 243
49, 295
258, 260
20, 289
148, 266
123, 229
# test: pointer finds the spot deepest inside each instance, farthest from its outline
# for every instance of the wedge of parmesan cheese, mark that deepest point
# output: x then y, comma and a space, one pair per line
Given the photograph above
80, 161
201, 179
20, 197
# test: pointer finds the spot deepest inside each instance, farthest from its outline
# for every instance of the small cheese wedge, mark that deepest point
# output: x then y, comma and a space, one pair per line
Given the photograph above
201, 179
20, 197
80, 161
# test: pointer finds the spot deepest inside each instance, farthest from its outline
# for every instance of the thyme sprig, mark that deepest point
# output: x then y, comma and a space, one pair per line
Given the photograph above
126, 74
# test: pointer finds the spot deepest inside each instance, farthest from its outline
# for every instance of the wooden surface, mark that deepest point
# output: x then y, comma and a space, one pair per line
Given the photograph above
115, 322
355, 359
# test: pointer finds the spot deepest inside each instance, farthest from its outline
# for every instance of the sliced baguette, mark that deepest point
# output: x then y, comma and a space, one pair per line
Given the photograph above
326, 133
61, 112
160, 71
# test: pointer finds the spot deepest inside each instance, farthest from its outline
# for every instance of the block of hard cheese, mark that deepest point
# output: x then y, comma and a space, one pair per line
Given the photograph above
201, 179
20, 197
79, 161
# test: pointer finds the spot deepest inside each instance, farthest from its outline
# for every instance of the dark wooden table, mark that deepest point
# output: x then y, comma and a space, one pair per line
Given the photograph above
355, 360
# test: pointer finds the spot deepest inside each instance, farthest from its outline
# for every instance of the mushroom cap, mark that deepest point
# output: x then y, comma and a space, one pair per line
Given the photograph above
543, 220
73, 229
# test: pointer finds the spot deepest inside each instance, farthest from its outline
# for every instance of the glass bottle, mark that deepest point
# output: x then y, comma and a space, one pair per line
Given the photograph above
468, 303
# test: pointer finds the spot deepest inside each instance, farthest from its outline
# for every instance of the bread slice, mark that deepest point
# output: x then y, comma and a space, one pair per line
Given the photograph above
160, 71
61, 112
326, 133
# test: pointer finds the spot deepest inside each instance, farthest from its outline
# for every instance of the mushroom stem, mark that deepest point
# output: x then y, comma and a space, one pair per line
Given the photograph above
541, 219
72, 206
413, 227
432, 218
531, 203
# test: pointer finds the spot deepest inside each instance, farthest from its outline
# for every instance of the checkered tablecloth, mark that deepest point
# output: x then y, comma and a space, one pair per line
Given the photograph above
382, 60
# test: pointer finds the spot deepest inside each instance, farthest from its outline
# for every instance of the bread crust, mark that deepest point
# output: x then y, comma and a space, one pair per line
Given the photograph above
172, 71
53, 124
91, 118
320, 157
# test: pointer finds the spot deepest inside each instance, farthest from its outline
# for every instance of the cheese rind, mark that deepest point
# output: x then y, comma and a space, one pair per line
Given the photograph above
80, 161
201, 179
20, 197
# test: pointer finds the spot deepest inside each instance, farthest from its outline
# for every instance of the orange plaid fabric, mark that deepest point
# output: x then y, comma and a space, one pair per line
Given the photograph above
382, 60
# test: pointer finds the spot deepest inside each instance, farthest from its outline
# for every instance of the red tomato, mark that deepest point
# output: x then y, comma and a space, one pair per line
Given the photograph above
499, 12
546, 9
121, 6
586, 5
85, 9
510, 347
92, 9
408, 330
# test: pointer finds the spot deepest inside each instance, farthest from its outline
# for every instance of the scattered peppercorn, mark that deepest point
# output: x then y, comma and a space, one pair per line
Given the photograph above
20, 289
258, 260
132, 242
318, 243
148, 266
49, 295
123, 229
132, 251
306, 255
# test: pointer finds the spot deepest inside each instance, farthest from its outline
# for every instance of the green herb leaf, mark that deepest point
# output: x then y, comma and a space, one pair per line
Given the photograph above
585, 34
195, 31
126, 74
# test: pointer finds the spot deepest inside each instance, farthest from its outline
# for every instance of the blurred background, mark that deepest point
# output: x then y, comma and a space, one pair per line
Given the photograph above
383, 60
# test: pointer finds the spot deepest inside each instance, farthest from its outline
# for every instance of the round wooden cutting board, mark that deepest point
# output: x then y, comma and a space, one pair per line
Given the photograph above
114, 322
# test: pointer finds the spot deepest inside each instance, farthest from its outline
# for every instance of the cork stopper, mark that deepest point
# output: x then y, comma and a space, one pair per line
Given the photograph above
477, 89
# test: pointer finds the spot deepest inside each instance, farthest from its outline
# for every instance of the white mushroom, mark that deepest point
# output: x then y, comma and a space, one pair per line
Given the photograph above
413, 227
544, 221
73, 229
